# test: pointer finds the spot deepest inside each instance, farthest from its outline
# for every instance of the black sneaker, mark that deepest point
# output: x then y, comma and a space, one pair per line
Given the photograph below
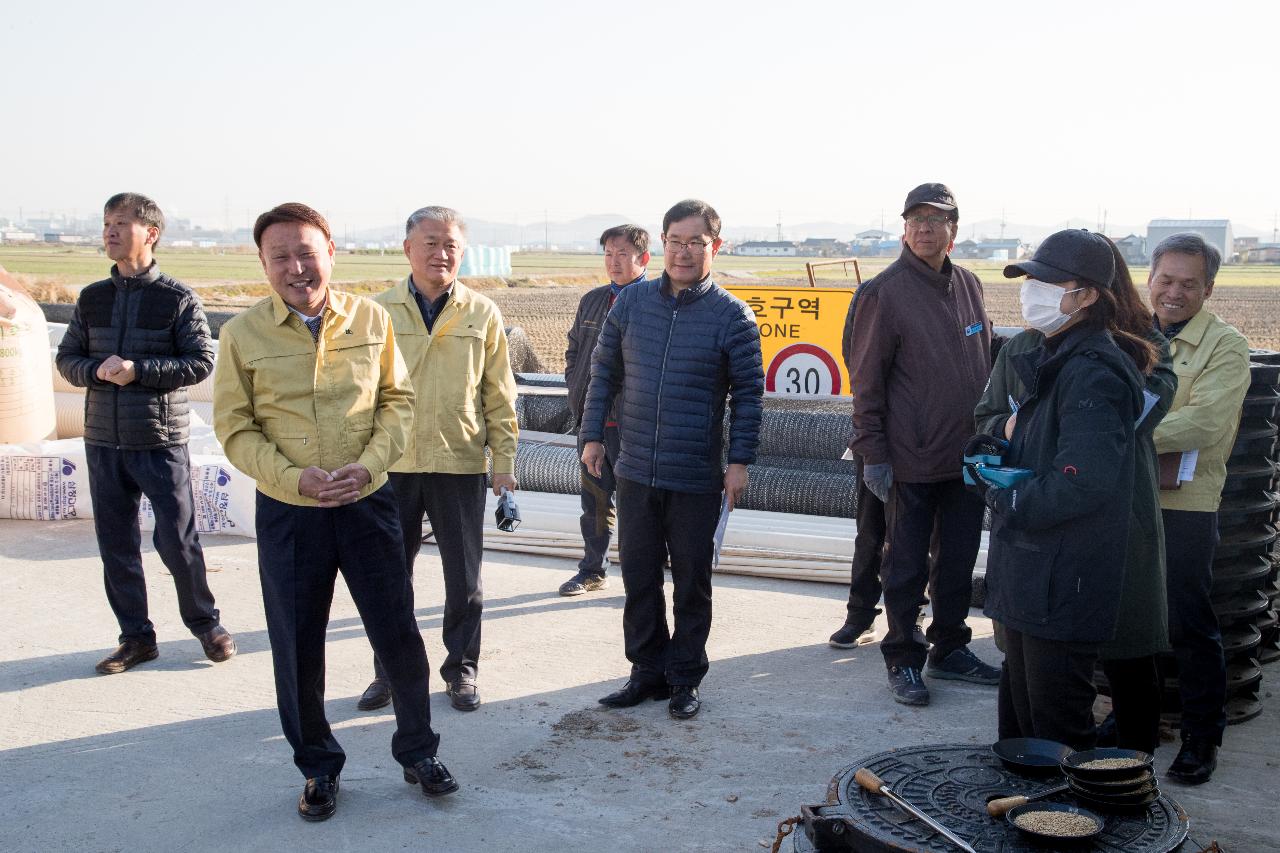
852, 636
907, 686
583, 582
964, 665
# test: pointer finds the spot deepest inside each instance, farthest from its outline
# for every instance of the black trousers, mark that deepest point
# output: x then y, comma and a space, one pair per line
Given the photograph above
117, 481
1047, 691
598, 511
1190, 540
454, 506
868, 547
916, 515
1135, 699
654, 526
300, 552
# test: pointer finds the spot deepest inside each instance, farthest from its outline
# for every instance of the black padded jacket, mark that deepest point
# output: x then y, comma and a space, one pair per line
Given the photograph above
158, 323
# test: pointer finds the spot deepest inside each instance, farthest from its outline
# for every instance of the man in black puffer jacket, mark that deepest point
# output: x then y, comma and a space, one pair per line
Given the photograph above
136, 341
674, 348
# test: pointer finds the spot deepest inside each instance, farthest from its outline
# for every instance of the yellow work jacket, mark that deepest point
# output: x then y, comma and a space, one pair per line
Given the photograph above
465, 393
282, 402
1211, 360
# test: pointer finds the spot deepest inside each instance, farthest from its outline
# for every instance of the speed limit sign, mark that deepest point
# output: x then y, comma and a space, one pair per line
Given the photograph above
803, 369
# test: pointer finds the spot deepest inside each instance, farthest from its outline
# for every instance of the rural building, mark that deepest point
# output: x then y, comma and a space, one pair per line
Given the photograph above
865, 242
823, 247
965, 250
768, 248
1216, 232
16, 236
888, 248
1243, 245
1133, 249
1001, 250
65, 239
1261, 253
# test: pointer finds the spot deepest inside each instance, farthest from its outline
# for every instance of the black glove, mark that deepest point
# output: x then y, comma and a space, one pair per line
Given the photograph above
985, 445
982, 487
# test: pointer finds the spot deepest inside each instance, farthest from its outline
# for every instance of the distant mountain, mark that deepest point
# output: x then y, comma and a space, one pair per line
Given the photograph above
583, 234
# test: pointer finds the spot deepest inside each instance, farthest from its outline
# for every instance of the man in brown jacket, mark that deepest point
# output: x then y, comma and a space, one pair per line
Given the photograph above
920, 354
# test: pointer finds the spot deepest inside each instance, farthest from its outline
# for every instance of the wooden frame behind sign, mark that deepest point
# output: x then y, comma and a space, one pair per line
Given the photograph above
844, 262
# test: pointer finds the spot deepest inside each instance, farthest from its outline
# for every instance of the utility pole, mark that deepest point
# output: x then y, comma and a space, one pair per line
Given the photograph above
779, 226
1002, 223
546, 230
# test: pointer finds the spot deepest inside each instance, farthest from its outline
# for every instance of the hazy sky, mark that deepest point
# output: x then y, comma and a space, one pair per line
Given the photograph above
825, 110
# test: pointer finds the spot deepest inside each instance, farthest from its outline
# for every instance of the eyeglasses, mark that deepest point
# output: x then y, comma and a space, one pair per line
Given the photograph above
694, 246
932, 221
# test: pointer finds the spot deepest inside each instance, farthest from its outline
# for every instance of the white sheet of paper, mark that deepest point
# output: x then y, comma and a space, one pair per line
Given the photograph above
847, 456
720, 528
1187, 467
1149, 401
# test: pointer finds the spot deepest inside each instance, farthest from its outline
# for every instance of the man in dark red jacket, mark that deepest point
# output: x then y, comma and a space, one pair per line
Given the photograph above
626, 254
920, 354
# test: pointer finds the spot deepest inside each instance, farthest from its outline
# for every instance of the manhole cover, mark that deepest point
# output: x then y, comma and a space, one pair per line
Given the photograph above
953, 784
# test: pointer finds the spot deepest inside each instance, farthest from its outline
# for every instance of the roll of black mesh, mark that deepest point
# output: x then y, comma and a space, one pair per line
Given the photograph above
545, 468
804, 434
520, 352
816, 466
544, 413
541, 380
803, 492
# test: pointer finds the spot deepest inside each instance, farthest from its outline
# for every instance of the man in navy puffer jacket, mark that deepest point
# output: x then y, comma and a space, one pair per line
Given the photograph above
674, 348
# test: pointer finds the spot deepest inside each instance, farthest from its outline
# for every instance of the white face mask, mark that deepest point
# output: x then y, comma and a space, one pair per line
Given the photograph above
1041, 305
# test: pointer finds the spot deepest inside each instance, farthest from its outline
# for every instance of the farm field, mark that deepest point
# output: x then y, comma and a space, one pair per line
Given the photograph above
542, 295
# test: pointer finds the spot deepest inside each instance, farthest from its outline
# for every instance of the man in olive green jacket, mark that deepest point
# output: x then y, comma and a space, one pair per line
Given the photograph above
455, 349
1211, 360
312, 399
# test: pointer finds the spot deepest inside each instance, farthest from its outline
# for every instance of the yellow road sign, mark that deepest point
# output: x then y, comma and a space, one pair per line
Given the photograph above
800, 332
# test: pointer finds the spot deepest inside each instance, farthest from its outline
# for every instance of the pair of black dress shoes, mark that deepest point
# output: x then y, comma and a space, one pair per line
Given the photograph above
683, 705
319, 798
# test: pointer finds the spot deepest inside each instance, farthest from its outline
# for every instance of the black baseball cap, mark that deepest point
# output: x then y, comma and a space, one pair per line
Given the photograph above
934, 195
1067, 256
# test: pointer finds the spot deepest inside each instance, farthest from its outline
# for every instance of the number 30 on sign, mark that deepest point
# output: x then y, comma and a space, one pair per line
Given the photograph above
800, 337
803, 369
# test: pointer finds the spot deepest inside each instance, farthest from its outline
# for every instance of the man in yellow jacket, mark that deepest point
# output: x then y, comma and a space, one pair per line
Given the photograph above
312, 400
1211, 360
456, 351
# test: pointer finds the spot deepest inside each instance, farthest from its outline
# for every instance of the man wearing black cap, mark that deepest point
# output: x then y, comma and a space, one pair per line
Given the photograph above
919, 357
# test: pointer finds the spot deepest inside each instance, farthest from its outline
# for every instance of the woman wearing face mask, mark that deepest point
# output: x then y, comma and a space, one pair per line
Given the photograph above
1128, 658
1056, 563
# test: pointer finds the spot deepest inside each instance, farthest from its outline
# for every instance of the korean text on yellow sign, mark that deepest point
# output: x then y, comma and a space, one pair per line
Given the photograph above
800, 333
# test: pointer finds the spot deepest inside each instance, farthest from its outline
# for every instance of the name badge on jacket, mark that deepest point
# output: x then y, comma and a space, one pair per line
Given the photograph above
972, 329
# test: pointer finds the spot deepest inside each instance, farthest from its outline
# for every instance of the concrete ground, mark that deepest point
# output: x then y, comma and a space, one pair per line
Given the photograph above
184, 755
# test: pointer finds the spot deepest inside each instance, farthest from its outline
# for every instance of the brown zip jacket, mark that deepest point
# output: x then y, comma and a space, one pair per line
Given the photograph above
919, 357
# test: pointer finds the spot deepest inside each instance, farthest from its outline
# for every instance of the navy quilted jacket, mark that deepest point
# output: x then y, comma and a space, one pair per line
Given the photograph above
674, 361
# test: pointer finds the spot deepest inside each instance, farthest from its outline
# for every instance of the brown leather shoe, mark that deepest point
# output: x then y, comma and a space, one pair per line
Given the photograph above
319, 798
218, 644
129, 654
464, 696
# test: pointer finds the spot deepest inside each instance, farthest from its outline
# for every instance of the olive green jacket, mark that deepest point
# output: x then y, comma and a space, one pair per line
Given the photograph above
283, 402
1143, 626
1212, 362
465, 393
